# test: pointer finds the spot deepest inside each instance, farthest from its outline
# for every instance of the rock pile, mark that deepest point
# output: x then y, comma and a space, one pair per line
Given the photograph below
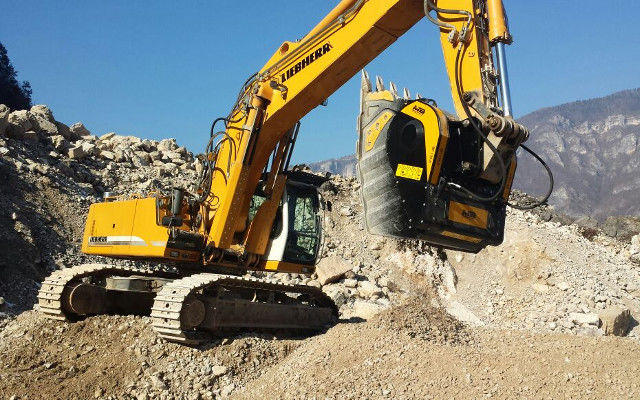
51, 173
51, 148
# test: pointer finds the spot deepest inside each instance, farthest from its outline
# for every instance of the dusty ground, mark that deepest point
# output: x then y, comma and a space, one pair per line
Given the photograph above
410, 351
371, 362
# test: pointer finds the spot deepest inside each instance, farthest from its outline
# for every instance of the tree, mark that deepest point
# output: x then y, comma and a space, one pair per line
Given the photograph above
17, 96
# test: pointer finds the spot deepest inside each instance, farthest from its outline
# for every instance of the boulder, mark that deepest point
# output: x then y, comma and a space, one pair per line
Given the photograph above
331, 269
218, 370
41, 124
108, 155
108, 136
336, 293
64, 130
78, 130
368, 289
350, 283
145, 156
148, 145
615, 321
139, 161
172, 155
120, 156
585, 319
170, 167
59, 143
634, 250
199, 166
4, 118
155, 156
89, 148
167, 145
43, 111
365, 309
77, 152
621, 227
635, 244
19, 122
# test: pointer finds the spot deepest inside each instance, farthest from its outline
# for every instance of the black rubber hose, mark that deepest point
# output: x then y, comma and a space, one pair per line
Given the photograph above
481, 135
551, 183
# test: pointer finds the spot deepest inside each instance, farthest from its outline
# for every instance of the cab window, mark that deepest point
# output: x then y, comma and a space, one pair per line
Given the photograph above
304, 230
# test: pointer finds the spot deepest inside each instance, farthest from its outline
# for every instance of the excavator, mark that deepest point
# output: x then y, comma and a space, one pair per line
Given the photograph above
425, 174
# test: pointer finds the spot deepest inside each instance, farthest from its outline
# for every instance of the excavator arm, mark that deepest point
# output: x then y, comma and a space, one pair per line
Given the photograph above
301, 75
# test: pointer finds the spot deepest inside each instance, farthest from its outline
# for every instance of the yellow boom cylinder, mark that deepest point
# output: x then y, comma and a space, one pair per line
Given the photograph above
498, 28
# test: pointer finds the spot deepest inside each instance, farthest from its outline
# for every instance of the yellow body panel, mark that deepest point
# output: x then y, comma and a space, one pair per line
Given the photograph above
124, 228
282, 266
436, 135
468, 215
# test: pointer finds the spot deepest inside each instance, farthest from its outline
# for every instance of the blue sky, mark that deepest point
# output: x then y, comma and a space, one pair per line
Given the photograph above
167, 69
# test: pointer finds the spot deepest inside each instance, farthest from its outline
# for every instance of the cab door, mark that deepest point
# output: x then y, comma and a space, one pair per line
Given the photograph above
297, 232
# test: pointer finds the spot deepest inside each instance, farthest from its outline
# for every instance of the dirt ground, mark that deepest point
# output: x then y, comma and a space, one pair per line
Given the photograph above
411, 351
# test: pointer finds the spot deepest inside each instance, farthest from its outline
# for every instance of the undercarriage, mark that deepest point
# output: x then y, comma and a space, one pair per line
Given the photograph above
185, 308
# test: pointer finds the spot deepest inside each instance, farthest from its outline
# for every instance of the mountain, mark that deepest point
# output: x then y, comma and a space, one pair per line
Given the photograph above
345, 166
592, 147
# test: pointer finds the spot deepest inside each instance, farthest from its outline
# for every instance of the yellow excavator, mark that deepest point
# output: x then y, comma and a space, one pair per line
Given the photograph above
425, 174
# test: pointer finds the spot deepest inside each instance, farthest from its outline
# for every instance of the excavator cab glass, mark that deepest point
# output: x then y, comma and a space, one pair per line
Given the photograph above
303, 239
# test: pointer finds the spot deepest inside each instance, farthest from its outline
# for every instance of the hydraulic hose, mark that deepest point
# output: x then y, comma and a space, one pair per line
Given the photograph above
429, 5
549, 190
482, 136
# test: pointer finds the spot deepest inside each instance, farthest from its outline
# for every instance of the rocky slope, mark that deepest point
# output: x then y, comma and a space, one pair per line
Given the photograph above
593, 148
416, 321
50, 175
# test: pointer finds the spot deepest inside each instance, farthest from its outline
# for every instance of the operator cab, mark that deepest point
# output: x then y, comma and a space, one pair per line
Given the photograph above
296, 236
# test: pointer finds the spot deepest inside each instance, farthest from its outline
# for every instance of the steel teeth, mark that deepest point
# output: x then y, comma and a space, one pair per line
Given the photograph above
393, 89
365, 83
379, 83
406, 94
418, 96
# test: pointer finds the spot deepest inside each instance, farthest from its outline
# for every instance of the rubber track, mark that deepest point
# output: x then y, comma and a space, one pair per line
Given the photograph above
50, 294
168, 303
